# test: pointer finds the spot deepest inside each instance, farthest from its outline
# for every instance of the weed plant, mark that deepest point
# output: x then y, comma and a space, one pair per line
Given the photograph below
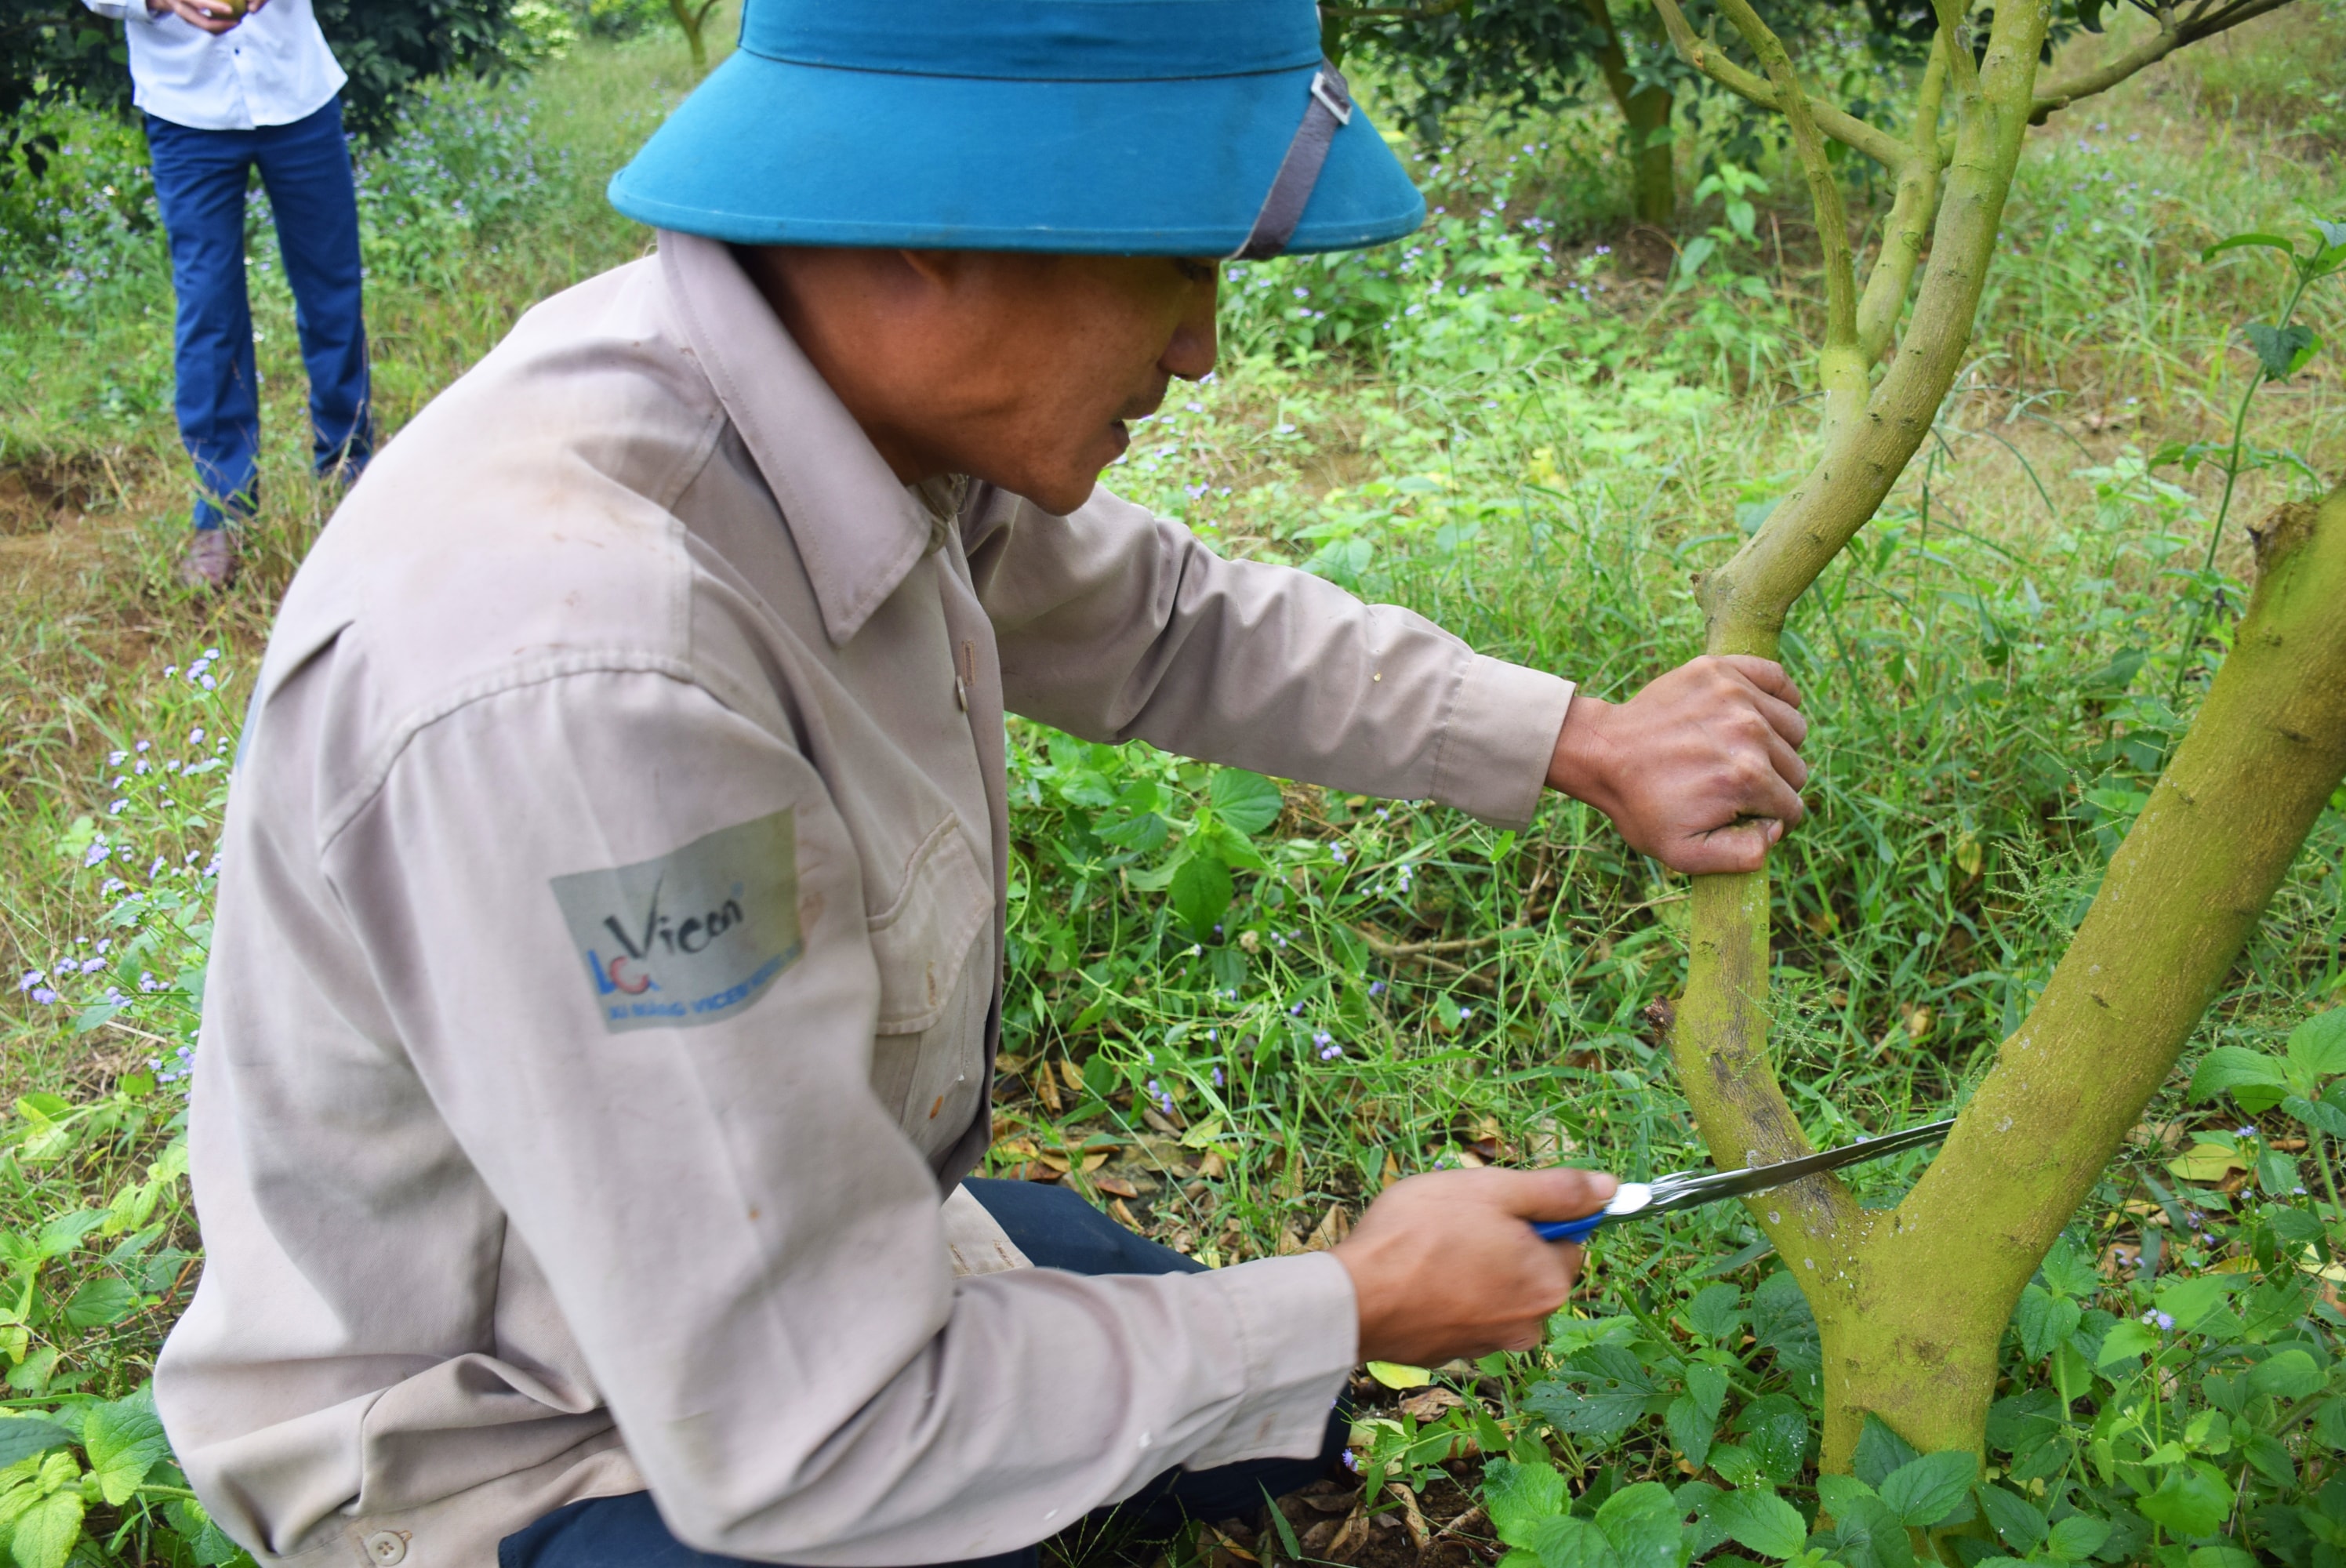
1236, 1008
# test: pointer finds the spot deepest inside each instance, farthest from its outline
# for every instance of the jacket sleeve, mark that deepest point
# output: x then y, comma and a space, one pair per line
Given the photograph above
1115, 625
622, 929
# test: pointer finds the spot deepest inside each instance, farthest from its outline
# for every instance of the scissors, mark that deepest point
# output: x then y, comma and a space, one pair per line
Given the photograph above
1684, 1189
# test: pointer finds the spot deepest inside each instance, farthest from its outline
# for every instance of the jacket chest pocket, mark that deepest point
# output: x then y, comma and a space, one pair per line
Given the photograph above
935, 989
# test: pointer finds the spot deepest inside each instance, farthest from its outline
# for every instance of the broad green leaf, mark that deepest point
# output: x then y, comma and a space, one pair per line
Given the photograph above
1519, 1496
2273, 1461
2020, 1522
1568, 1543
1394, 1375
2270, 241
124, 1440
1702, 1536
1691, 1429
2236, 1068
2277, 1174
2219, 1557
45, 1533
100, 1303
1201, 892
2319, 1114
1763, 1522
2069, 1272
1870, 1534
1933, 1490
207, 1542
1843, 1495
1707, 1386
22, 1437
2077, 1537
1247, 801
1698, 251
2189, 1301
2333, 235
1142, 834
2318, 1044
2192, 1499
64, 1233
2290, 1375
1642, 1521
1879, 1451
1738, 1467
1714, 1313
1777, 1432
2046, 1322
1157, 879
2281, 350
2125, 1339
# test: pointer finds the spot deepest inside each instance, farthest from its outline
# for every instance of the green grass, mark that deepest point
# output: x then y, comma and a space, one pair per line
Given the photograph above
1502, 425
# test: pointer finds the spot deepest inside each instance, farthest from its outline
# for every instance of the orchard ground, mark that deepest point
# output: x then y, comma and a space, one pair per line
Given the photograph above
1236, 1010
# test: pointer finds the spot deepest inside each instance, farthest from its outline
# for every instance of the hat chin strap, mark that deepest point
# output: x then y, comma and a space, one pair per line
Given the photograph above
1330, 111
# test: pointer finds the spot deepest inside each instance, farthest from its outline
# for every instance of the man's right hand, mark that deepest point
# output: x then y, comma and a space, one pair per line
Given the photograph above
211, 15
1447, 1265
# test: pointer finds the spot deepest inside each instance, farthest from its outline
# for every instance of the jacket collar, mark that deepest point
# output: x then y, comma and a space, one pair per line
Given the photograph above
857, 529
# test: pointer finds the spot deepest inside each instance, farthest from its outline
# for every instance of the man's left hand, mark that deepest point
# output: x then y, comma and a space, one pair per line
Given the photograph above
1702, 769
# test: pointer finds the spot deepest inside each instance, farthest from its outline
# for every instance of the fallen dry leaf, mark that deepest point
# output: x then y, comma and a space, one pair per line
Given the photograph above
1429, 1404
1333, 1227
2207, 1162
1411, 1518
1046, 1088
1355, 1526
1213, 1166
1124, 1216
1115, 1186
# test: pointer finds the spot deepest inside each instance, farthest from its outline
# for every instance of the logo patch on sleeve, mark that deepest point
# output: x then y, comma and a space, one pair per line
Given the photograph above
693, 937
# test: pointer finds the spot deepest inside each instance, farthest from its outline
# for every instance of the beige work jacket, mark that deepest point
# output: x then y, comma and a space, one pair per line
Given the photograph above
608, 952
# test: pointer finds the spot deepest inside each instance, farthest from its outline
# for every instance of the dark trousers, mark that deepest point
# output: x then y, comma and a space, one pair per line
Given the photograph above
1056, 1229
201, 177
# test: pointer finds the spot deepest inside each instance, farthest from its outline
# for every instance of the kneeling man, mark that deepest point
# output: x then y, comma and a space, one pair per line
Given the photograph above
608, 969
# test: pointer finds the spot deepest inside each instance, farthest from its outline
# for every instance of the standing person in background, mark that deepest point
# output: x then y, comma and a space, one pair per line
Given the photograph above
226, 88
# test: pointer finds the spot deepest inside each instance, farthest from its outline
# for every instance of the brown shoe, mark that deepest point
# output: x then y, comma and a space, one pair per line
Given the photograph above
210, 560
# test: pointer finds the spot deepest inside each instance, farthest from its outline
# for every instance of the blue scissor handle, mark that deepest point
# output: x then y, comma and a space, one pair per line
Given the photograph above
1570, 1230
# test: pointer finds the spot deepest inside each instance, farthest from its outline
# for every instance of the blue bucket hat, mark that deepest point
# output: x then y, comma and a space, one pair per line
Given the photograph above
1154, 127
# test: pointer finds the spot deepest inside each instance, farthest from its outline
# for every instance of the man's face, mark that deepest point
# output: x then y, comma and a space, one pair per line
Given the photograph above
1022, 370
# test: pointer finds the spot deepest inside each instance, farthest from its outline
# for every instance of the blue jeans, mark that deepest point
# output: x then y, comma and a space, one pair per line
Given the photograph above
1056, 1229
199, 181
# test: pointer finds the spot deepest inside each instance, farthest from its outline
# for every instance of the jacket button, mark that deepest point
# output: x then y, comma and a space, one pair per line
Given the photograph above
387, 1547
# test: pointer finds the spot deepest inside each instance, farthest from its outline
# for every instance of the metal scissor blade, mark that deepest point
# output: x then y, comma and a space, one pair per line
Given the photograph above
1692, 1191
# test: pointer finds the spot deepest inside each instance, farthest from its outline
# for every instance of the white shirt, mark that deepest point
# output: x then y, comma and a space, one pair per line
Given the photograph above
270, 69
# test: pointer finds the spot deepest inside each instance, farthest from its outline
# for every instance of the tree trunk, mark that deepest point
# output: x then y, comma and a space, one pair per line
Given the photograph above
2180, 900
1911, 1303
1647, 110
689, 20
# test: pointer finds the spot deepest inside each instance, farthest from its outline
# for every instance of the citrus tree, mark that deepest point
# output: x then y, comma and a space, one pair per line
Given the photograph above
1911, 1302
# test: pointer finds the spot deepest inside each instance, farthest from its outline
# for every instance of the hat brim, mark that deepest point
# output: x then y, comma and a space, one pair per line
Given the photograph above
769, 152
